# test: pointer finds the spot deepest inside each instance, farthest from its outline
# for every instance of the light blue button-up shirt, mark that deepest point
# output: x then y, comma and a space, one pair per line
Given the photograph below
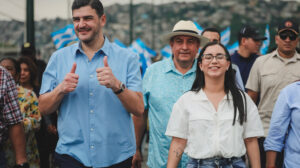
93, 125
286, 119
163, 84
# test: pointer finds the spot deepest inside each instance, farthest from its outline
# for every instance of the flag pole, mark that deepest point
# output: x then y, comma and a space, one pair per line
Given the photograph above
130, 22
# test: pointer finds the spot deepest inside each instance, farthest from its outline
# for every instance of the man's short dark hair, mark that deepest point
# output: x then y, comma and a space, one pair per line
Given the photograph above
95, 4
211, 29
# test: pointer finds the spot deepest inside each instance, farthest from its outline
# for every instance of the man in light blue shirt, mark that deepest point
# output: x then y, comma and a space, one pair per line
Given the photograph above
164, 82
284, 132
95, 85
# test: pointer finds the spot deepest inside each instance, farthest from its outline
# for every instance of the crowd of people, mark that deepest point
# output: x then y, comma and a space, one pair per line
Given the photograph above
90, 107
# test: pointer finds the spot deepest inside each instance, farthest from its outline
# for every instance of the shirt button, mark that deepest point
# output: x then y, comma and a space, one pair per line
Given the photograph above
91, 76
92, 146
91, 94
92, 111
92, 129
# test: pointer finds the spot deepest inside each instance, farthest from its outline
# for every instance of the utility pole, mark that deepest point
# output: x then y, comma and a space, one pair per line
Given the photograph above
30, 21
130, 22
153, 25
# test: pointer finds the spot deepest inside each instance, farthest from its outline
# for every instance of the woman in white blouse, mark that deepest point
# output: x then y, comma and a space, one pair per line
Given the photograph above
215, 123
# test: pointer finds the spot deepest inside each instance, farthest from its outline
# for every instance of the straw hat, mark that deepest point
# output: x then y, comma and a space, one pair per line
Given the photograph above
185, 28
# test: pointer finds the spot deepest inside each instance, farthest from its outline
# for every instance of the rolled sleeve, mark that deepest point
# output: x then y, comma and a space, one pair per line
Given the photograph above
280, 120
134, 81
178, 122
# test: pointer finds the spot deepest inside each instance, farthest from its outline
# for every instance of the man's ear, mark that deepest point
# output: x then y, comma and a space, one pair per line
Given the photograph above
103, 20
243, 40
276, 39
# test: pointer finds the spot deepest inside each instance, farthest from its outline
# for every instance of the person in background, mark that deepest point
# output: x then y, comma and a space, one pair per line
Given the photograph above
249, 45
11, 120
28, 74
284, 132
215, 123
47, 135
271, 73
213, 34
31, 117
29, 50
163, 83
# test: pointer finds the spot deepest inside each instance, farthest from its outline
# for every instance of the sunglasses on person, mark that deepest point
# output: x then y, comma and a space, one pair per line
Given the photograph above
292, 36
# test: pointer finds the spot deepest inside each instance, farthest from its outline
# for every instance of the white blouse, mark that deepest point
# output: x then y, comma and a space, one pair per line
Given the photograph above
210, 133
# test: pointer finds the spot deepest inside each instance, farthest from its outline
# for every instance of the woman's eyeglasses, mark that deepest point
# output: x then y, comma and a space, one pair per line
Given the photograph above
292, 36
210, 57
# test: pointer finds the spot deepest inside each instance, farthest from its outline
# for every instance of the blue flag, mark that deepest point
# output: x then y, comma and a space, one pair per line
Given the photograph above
166, 52
233, 47
64, 36
200, 29
144, 52
265, 45
225, 36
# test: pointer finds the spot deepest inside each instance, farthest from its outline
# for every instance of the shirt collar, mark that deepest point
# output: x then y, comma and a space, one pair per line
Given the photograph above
293, 59
171, 66
203, 96
105, 48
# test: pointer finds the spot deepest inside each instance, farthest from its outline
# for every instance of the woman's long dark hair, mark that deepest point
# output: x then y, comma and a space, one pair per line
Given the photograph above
238, 96
33, 72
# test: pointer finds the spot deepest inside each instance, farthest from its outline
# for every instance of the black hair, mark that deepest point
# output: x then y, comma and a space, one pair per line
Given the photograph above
32, 70
229, 85
95, 4
15, 62
211, 29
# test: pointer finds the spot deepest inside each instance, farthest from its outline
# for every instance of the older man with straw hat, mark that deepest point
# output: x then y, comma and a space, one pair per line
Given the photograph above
164, 82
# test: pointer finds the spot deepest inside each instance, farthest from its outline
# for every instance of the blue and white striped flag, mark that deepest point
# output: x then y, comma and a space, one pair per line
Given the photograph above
225, 36
144, 52
166, 52
265, 45
64, 36
233, 47
200, 29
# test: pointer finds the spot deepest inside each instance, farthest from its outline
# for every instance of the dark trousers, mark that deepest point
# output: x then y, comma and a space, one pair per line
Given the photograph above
46, 141
279, 156
66, 161
2, 157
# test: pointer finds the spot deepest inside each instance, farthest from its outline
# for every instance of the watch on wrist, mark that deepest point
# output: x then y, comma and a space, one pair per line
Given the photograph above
23, 165
122, 88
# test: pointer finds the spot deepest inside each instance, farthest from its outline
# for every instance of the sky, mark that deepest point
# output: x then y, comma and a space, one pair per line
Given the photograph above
15, 9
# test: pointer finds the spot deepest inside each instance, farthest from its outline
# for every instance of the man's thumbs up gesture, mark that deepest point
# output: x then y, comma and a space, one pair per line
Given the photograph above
70, 81
106, 77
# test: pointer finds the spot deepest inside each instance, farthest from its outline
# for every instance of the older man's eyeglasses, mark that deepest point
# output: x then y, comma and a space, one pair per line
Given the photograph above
210, 57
